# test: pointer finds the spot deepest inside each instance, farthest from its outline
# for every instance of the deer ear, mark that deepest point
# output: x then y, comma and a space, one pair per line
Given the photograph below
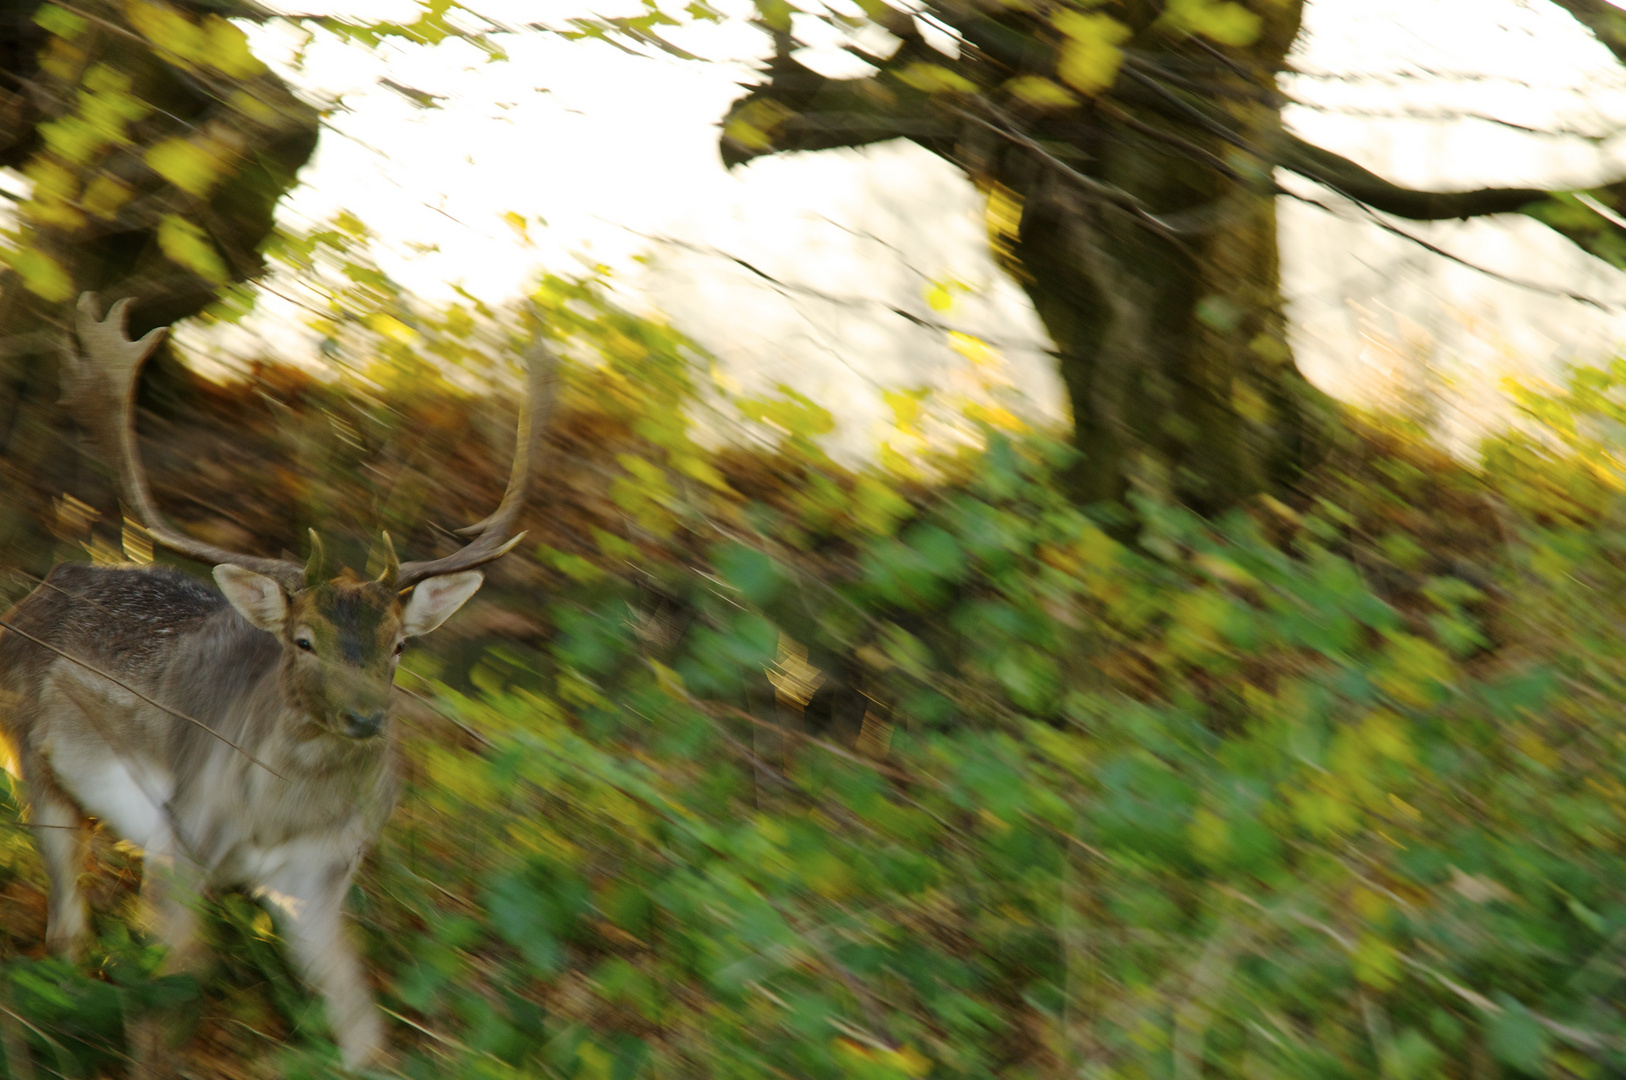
434, 601
257, 598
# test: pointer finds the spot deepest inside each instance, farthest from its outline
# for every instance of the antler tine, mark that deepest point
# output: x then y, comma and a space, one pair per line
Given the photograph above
493, 537
101, 387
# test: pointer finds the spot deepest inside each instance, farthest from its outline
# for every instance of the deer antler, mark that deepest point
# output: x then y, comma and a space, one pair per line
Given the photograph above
100, 386
494, 536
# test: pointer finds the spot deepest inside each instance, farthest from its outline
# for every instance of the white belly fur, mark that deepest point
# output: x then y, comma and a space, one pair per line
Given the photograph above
128, 797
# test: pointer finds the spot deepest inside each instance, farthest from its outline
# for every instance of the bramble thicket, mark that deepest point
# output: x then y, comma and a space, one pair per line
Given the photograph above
750, 764
758, 766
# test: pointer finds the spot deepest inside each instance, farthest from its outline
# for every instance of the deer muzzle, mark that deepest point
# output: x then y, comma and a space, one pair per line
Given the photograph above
361, 725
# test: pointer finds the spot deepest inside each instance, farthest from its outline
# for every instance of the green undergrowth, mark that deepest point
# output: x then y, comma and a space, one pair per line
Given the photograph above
825, 775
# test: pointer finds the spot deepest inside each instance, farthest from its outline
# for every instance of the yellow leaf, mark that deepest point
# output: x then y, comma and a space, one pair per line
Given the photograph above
390, 327
747, 134
252, 108
1414, 670
194, 167
42, 275
1407, 810
935, 79
1534, 747
1369, 904
1040, 92
1321, 813
1004, 215
1218, 20
670, 682
61, 59
1248, 402
54, 213
973, 349
1209, 836
995, 416
697, 468
895, 463
59, 21
1375, 963
185, 244
905, 407
1090, 56
51, 179
518, 224
110, 111
228, 50
105, 195
753, 126
877, 508
857, 1059
72, 139
1386, 733
173, 34
261, 925
105, 79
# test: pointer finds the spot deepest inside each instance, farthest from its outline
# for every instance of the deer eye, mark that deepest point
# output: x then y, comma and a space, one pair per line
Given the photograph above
304, 644
399, 645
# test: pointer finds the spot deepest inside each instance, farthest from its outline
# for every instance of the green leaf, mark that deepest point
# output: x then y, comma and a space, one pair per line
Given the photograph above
757, 577
520, 915
1410, 1056
1516, 1038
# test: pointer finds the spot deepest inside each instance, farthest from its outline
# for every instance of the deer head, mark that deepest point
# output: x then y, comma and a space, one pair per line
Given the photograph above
341, 635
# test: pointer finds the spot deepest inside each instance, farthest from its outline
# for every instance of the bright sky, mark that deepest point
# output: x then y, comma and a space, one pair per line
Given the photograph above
615, 152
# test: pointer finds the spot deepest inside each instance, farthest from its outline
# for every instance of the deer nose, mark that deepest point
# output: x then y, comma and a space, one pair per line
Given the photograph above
362, 725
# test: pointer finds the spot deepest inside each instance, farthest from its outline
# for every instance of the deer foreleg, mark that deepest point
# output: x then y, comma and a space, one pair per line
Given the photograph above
310, 898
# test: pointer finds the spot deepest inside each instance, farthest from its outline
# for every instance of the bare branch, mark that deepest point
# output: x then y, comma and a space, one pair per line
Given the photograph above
1361, 184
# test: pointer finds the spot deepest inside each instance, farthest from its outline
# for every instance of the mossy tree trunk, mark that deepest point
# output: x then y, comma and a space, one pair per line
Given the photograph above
1140, 218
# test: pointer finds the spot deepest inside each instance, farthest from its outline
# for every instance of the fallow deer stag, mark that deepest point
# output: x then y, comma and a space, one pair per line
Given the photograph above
240, 738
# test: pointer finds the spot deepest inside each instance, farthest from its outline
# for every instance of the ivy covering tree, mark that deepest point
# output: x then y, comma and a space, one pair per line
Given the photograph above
1129, 153
154, 146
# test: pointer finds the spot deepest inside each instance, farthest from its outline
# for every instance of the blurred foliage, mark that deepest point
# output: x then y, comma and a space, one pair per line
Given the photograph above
762, 767
927, 772
154, 145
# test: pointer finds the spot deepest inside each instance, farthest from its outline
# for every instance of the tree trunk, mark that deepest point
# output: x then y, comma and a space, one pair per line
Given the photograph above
1146, 232
1164, 301
103, 218
1169, 326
